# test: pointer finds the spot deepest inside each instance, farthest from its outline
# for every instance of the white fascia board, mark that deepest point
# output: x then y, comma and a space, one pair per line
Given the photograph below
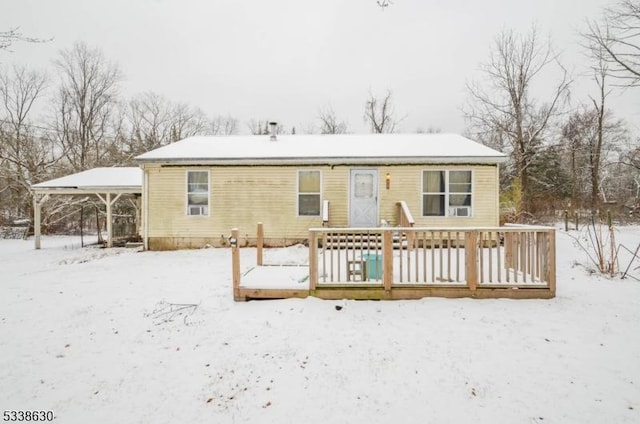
451, 160
87, 190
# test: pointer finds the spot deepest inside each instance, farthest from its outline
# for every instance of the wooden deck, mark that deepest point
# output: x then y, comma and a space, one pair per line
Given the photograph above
516, 262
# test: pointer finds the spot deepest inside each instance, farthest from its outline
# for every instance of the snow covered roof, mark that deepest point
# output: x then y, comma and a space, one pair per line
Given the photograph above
101, 180
325, 149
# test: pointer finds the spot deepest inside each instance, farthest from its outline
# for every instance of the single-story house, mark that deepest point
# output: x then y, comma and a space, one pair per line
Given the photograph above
195, 190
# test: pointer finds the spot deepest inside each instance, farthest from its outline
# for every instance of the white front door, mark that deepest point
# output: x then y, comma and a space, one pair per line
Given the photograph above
363, 198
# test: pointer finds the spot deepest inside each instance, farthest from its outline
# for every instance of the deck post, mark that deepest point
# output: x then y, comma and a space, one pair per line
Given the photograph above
387, 259
235, 263
411, 237
508, 250
313, 260
471, 259
260, 243
551, 277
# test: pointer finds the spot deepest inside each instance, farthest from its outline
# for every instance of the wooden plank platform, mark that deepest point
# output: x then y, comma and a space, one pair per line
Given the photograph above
249, 294
398, 293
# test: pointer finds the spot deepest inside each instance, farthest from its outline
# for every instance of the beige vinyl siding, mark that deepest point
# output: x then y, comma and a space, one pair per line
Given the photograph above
239, 197
406, 184
242, 196
336, 191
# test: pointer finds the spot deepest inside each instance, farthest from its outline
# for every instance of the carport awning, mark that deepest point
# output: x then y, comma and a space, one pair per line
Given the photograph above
95, 181
103, 182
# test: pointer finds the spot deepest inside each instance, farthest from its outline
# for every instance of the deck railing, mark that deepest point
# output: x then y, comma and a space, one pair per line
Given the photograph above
514, 257
405, 219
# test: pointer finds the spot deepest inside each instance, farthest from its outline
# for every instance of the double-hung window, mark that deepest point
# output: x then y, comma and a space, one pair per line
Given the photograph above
198, 193
446, 193
309, 193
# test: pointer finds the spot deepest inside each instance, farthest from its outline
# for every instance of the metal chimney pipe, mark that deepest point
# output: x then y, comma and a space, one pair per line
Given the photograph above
273, 126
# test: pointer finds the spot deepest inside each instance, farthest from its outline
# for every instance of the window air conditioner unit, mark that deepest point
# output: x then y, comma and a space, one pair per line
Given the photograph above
460, 211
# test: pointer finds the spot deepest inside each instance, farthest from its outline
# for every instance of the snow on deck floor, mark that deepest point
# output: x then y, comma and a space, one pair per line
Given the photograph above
294, 277
284, 268
91, 334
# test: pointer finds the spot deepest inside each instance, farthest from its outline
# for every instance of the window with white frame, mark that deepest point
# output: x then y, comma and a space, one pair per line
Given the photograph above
309, 193
446, 193
198, 193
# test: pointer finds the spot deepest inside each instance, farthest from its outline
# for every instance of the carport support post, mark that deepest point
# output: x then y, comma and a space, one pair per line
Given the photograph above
109, 223
37, 211
36, 221
109, 203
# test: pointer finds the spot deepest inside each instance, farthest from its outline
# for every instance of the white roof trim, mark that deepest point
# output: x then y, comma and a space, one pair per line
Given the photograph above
492, 160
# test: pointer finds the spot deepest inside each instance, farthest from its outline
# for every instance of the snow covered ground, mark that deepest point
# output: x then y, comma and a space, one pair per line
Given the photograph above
124, 336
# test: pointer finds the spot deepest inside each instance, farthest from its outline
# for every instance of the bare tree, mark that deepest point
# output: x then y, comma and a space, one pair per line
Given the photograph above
632, 157
592, 141
187, 121
149, 116
258, 127
502, 108
600, 73
84, 104
605, 130
380, 114
329, 123
26, 155
573, 134
224, 125
616, 40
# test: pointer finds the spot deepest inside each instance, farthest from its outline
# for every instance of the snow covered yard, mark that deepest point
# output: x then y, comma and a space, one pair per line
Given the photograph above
90, 334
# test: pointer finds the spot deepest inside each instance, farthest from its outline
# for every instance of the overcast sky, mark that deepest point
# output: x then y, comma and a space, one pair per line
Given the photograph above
284, 59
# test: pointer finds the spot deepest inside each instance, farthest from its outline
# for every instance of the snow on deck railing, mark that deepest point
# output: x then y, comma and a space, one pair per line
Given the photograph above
405, 218
514, 257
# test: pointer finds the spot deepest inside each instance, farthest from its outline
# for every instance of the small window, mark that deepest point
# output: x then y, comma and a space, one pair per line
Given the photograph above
433, 196
198, 193
459, 193
309, 193
446, 193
